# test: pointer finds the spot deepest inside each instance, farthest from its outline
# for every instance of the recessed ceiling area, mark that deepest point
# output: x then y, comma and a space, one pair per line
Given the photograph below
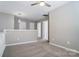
24, 9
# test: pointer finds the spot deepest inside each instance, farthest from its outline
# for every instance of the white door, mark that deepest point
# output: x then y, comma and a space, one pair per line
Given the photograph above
45, 30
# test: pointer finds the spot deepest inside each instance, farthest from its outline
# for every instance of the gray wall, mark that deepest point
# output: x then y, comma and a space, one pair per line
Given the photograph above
64, 25
16, 24
6, 21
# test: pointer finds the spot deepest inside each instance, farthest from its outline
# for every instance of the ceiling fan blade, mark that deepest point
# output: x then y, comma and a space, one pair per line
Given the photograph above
47, 5
34, 4
45, 15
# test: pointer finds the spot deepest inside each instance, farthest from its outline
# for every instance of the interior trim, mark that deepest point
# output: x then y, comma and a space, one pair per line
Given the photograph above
68, 49
20, 43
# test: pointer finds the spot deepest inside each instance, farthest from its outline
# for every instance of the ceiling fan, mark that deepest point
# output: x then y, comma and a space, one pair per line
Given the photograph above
45, 15
41, 3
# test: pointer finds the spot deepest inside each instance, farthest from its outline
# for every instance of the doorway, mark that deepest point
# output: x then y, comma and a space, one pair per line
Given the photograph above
45, 30
42, 28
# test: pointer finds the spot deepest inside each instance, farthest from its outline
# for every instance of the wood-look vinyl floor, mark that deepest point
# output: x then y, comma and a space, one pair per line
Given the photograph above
38, 49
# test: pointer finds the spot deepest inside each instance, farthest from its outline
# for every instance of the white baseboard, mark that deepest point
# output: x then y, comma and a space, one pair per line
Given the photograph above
24, 42
68, 49
21, 43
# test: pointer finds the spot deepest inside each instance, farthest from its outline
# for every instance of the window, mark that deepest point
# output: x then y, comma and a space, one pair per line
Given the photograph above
22, 25
39, 29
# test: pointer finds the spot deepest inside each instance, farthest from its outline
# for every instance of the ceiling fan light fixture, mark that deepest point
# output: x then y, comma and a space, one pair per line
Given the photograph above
20, 14
42, 4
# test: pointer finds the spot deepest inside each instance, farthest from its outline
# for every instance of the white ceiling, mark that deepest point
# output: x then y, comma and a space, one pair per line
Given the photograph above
28, 11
